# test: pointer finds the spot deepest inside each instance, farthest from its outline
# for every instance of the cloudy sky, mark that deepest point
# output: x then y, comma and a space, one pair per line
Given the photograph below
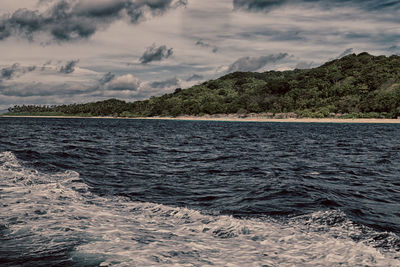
74, 51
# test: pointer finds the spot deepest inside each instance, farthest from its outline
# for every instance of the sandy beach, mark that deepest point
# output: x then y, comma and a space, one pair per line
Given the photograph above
232, 118
258, 119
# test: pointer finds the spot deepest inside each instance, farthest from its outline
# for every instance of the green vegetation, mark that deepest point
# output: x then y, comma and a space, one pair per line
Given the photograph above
38, 113
355, 86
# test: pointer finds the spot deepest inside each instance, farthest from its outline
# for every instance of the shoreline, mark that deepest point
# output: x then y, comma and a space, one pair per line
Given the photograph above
226, 118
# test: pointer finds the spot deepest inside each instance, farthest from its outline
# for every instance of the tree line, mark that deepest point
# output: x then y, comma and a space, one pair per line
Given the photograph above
356, 85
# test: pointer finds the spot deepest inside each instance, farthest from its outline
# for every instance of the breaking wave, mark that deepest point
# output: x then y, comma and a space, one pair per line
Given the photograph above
55, 218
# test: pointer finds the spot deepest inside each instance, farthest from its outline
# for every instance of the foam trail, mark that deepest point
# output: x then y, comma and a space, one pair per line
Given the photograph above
45, 214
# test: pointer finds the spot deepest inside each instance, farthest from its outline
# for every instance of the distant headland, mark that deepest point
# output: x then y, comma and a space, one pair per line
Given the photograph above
355, 86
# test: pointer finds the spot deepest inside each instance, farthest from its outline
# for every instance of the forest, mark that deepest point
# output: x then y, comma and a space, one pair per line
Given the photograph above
360, 86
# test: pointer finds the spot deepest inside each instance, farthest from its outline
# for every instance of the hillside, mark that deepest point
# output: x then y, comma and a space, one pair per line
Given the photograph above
357, 85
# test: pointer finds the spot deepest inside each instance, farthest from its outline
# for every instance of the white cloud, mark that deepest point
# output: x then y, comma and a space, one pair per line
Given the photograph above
124, 82
311, 33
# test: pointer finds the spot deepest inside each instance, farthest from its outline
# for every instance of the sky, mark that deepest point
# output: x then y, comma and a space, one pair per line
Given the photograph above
78, 51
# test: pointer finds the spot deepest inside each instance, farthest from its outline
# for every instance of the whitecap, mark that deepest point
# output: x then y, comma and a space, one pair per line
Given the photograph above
59, 210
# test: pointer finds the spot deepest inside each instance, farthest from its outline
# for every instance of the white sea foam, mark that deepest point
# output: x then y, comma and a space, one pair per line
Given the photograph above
59, 209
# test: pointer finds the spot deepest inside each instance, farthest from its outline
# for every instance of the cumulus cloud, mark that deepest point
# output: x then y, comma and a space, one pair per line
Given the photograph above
195, 77
307, 29
67, 20
173, 82
69, 67
268, 5
51, 87
13, 71
202, 43
109, 84
255, 63
121, 83
154, 53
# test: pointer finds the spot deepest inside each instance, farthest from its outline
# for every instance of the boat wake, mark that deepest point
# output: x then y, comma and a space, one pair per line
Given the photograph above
56, 219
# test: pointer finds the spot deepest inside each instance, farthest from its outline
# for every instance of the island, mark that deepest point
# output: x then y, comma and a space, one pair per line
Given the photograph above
354, 86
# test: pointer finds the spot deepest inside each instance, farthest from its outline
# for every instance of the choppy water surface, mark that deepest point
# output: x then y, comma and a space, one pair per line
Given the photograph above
92, 192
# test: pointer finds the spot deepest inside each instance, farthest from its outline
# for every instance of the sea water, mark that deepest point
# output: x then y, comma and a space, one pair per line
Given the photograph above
104, 192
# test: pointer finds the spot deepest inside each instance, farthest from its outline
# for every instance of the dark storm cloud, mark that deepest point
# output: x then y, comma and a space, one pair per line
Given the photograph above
43, 67
13, 71
29, 69
195, 77
268, 5
255, 63
69, 67
108, 77
256, 5
8, 73
201, 43
67, 20
294, 34
167, 83
154, 53
43, 90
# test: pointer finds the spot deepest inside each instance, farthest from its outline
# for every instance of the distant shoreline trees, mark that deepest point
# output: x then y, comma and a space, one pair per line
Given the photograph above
356, 85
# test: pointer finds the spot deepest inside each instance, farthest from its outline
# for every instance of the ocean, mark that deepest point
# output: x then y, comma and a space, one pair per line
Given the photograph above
111, 192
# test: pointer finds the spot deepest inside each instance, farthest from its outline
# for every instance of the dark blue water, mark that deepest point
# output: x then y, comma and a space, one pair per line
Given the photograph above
87, 192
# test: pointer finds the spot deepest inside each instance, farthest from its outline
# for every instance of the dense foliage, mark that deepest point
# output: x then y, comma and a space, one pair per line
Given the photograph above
360, 85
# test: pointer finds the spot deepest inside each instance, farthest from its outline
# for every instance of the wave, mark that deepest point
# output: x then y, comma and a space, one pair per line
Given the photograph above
56, 219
